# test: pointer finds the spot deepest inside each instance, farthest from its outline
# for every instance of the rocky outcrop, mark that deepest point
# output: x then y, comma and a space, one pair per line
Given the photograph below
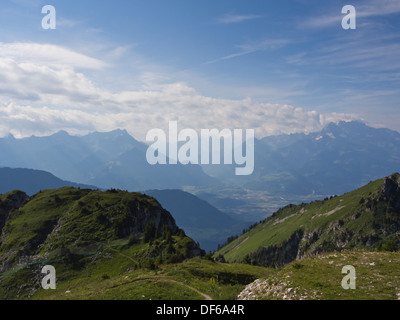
138, 218
10, 201
276, 289
80, 221
391, 190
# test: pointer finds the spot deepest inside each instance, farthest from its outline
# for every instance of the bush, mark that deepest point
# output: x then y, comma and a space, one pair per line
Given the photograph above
389, 245
297, 265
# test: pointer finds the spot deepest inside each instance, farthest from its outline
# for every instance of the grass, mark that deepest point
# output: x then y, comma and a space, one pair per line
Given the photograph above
115, 274
320, 278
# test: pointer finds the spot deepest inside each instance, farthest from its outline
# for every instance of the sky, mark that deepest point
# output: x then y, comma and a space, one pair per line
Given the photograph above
272, 66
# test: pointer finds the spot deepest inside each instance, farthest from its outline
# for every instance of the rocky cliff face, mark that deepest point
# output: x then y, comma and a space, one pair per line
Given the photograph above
391, 191
71, 220
137, 219
10, 201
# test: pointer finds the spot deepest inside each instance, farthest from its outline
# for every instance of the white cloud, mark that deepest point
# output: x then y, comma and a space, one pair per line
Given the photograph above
40, 97
381, 8
45, 84
143, 111
67, 23
237, 18
47, 54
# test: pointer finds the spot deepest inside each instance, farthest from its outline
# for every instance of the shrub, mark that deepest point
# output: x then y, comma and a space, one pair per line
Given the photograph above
389, 245
297, 265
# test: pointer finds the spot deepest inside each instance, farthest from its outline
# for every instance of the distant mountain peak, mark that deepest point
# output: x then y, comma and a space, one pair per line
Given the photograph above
117, 133
121, 132
355, 124
114, 133
61, 133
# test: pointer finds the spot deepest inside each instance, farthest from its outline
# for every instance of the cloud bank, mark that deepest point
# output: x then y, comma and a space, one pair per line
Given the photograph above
40, 97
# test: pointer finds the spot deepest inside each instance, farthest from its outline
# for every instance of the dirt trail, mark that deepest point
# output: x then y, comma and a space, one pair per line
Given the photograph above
164, 279
124, 255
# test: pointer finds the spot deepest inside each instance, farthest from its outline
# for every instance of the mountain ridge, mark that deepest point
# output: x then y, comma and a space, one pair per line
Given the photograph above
368, 217
32, 181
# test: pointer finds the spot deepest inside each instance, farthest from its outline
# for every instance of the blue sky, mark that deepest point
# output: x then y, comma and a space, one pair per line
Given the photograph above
275, 66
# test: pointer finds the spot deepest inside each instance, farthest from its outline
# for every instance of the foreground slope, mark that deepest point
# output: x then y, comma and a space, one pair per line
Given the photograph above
368, 217
377, 277
114, 276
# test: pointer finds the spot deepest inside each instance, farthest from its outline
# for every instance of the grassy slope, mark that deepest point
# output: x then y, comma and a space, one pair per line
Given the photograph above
122, 272
310, 217
79, 233
84, 217
320, 277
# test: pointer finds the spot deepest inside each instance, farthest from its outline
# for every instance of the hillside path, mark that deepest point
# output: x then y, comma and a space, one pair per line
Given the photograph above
165, 279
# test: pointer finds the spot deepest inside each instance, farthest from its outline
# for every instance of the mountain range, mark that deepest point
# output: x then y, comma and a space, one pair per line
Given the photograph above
106, 160
288, 168
338, 159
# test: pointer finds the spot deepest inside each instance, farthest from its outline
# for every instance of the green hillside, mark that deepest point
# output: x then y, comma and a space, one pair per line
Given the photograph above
368, 217
106, 245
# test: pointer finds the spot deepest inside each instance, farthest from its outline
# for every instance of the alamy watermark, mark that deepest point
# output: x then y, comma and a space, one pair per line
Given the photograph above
49, 280
349, 281
185, 148
49, 20
349, 20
